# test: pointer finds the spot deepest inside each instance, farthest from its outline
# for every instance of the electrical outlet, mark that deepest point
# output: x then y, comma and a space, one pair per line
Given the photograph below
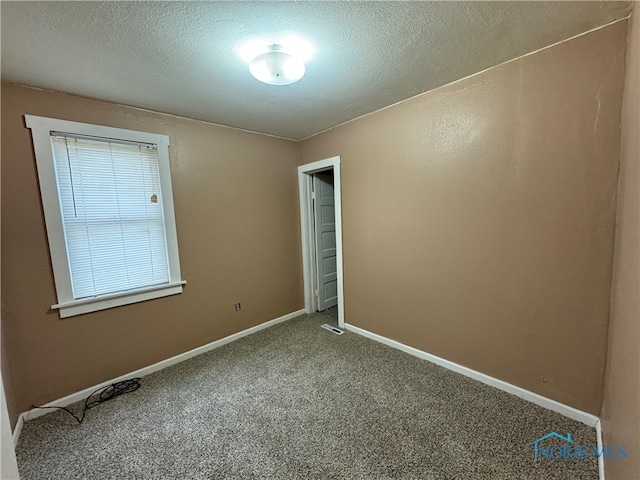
238, 307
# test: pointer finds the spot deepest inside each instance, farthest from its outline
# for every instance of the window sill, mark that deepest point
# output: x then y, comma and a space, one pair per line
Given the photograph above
78, 307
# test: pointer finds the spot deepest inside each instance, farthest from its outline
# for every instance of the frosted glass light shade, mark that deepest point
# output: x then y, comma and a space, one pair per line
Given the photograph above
276, 67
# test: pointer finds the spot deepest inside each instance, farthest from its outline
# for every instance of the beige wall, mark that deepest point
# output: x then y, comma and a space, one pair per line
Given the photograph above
237, 218
478, 218
7, 375
621, 409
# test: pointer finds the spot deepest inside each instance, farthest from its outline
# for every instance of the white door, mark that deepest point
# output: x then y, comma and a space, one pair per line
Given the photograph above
325, 229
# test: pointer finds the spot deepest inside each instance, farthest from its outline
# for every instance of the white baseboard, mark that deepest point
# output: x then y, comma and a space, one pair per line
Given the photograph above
81, 395
18, 429
567, 411
600, 443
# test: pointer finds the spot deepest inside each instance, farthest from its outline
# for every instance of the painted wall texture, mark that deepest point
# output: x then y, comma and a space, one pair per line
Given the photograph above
478, 217
237, 217
621, 409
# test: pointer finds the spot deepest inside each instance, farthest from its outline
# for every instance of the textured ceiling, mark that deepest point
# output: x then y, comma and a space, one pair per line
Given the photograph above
179, 57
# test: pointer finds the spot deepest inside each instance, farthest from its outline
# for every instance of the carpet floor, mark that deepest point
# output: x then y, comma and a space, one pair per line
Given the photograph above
296, 401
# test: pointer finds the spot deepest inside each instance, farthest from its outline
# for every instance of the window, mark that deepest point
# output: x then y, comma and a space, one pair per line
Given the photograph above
108, 208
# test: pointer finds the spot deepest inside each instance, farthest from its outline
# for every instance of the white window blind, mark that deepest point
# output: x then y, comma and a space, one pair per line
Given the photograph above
112, 214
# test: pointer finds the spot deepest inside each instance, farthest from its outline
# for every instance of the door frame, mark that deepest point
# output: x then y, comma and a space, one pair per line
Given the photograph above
305, 181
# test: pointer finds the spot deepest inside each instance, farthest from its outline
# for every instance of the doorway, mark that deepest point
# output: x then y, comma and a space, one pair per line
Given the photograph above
321, 225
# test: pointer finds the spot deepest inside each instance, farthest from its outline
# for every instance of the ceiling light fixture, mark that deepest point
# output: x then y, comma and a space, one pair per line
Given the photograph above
276, 67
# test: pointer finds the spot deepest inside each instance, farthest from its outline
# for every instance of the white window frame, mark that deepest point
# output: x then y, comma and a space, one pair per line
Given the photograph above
41, 128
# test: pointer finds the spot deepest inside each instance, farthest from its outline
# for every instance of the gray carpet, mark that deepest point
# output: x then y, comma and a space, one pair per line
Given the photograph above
297, 401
